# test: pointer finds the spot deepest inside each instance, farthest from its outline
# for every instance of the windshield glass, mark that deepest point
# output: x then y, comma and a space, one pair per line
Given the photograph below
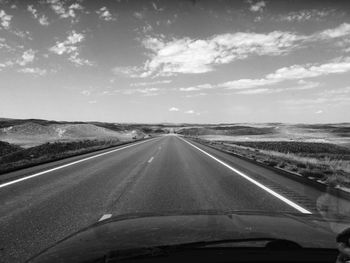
185, 121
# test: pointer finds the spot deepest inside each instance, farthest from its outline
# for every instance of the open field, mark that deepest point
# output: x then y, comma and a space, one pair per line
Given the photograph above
326, 133
325, 163
316, 151
25, 143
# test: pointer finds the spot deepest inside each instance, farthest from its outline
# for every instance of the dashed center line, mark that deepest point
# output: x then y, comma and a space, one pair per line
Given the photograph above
150, 160
104, 217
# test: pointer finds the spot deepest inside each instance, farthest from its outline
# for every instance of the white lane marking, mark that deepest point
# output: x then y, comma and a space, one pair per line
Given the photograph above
150, 160
282, 198
104, 217
69, 164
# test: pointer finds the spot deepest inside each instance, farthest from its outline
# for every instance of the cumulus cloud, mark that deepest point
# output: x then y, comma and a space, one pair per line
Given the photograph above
105, 14
174, 109
34, 71
28, 56
257, 6
168, 57
70, 48
188, 55
295, 72
5, 19
64, 12
42, 19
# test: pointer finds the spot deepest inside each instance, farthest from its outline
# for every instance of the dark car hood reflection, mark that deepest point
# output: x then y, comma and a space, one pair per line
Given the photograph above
148, 230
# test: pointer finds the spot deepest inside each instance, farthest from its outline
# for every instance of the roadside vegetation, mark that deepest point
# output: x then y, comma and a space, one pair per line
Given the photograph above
324, 162
13, 157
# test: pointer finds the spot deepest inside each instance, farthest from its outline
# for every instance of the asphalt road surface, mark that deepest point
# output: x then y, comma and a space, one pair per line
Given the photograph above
43, 204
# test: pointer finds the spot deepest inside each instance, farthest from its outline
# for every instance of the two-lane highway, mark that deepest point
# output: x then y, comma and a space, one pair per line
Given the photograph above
48, 202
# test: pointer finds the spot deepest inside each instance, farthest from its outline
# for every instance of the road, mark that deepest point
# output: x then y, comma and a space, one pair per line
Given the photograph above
161, 174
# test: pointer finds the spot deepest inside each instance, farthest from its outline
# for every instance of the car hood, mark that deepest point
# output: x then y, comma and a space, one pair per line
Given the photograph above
148, 230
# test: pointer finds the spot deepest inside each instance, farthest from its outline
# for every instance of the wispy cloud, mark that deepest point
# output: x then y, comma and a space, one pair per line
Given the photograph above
158, 82
197, 88
142, 91
186, 55
305, 15
294, 72
70, 47
129, 71
340, 31
34, 71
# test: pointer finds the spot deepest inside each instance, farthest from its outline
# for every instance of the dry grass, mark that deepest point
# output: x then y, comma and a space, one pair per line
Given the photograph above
331, 165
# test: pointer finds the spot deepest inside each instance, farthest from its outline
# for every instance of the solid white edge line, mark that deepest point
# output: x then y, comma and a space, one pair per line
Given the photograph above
282, 198
104, 217
69, 164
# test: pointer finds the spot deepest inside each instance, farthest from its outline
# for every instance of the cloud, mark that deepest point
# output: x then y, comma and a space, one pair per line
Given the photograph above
340, 31
257, 7
188, 55
105, 15
27, 57
305, 15
5, 19
196, 95
43, 20
319, 112
34, 71
294, 72
138, 15
189, 112
169, 57
92, 101
86, 92
70, 48
129, 71
156, 8
198, 87
142, 91
174, 109
139, 84
63, 12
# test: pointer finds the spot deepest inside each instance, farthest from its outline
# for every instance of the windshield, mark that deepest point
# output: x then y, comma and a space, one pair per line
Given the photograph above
207, 120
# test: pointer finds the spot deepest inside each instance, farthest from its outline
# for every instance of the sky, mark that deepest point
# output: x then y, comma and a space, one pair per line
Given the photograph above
175, 61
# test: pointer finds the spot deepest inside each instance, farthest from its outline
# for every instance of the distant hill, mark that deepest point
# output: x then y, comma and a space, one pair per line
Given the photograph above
32, 133
7, 148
